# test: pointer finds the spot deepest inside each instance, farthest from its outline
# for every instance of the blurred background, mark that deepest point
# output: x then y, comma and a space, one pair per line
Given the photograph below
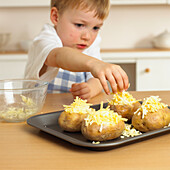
131, 25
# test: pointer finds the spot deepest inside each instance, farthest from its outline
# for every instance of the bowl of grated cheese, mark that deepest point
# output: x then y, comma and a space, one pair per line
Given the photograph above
20, 99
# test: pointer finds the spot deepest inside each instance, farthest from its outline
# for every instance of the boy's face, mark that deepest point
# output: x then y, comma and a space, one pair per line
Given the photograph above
77, 28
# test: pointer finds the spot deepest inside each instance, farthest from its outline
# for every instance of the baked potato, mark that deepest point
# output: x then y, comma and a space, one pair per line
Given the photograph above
102, 125
124, 104
152, 115
71, 118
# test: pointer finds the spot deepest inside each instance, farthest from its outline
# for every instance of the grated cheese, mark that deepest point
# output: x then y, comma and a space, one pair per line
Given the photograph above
130, 131
103, 116
96, 142
27, 108
167, 126
26, 100
150, 104
78, 106
122, 98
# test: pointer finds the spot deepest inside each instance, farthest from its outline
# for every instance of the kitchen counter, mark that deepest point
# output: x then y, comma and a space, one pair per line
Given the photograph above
25, 147
132, 55
108, 55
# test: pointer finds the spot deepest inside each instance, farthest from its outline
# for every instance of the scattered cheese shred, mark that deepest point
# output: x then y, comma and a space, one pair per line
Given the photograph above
122, 98
167, 126
78, 106
95, 142
130, 131
103, 116
150, 104
28, 101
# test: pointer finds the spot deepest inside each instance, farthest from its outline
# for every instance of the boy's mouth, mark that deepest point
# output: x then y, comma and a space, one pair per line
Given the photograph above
81, 46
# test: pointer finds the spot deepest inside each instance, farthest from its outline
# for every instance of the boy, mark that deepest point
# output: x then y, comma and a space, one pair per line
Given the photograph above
72, 44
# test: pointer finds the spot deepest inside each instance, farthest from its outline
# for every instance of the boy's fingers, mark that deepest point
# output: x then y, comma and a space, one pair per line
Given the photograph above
85, 96
103, 82
124, 79
126, 82
113, 83
77, 86
80, 92
119, 81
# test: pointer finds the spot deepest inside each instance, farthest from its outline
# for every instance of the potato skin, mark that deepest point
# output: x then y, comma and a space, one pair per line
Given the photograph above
71, 122
126, 111
91, 132
151, 121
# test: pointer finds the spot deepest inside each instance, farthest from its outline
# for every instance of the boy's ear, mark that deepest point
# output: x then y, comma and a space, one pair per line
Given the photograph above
54, 15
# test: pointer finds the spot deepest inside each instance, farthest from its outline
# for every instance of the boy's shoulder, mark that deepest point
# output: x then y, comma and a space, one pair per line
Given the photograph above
48, 27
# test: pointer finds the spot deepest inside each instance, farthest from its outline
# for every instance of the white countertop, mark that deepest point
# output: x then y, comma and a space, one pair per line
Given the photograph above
108, 55
130, 56
14, 57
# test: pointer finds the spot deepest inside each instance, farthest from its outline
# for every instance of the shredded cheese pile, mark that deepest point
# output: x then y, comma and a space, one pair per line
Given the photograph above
122, 98
150, 104
130, 131
78, 106
103, 116
25, 110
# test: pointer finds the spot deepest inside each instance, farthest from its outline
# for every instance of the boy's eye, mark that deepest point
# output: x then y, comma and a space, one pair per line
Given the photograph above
96, 28
79, 25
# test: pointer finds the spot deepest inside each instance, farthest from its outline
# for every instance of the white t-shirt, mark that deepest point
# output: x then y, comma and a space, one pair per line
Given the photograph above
42, 45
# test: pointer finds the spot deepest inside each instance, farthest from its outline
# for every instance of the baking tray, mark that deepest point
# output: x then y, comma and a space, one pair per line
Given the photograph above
49, 123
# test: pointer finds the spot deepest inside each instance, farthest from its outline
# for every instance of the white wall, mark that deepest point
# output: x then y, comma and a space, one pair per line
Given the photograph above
126, 26
22, 23
134, 26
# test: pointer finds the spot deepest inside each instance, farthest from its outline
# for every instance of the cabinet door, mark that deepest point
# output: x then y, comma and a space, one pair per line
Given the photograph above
153, 74
12, 69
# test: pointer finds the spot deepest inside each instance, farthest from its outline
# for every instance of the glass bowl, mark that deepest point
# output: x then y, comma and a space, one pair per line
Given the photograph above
20, 99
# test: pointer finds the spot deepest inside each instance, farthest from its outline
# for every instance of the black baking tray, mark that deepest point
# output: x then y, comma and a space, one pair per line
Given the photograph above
49, 123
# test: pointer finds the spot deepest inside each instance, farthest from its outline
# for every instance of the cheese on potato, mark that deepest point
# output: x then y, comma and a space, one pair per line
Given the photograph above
78, 106
150, 104
103, 116
122, 98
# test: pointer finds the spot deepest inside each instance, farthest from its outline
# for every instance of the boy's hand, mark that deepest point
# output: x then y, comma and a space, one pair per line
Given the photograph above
116, 76
81, 90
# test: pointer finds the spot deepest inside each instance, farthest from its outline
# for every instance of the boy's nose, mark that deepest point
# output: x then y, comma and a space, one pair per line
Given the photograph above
85, 35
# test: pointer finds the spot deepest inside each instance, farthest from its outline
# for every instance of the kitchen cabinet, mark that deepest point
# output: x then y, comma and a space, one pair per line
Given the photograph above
46, 3
24, 3
12, 66
153, 74
137, 2
152, 67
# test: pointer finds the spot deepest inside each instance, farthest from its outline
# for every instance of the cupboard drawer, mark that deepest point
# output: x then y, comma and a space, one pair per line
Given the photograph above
152, 74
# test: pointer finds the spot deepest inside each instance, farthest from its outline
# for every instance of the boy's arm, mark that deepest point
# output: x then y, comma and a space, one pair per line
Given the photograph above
73, 60
69, 59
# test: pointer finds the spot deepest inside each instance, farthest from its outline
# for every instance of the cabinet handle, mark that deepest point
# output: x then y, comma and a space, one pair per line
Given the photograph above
147, 70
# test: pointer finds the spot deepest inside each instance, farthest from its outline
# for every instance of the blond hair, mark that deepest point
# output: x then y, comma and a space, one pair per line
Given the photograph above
101, 7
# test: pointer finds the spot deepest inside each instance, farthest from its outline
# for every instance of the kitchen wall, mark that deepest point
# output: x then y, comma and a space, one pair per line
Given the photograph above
126, 27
